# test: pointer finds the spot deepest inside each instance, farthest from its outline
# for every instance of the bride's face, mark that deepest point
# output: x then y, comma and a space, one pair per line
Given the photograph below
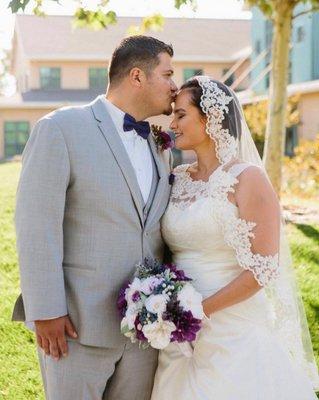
189, 125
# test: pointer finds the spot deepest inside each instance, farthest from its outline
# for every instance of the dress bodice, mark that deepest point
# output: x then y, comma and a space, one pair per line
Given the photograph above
194, 237
188, 223
201, 225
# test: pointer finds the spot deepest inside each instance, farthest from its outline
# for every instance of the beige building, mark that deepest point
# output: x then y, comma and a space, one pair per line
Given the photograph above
56, 65
308, 106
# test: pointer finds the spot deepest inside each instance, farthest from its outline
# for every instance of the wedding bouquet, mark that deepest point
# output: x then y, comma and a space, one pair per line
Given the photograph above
160, 306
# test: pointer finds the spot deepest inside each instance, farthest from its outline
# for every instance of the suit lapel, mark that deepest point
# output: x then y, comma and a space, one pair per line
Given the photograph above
162, 186
113, 139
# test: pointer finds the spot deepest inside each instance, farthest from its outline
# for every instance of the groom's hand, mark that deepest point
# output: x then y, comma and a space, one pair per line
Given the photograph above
51, 335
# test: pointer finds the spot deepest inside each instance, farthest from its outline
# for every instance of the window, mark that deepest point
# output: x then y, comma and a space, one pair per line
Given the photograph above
290, 68
50, 78
267, 79
230, 80
291, 141
16, 135
98, 78
257, 47
190, 72
300, 34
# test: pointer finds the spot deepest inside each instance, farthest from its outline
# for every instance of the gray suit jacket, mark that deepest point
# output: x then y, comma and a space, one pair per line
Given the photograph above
80, 223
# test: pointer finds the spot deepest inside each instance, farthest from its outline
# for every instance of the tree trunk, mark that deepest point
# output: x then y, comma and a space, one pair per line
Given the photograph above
275, 129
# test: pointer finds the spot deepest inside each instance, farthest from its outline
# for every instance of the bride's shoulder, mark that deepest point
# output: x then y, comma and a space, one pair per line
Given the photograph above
244, 170
252, 180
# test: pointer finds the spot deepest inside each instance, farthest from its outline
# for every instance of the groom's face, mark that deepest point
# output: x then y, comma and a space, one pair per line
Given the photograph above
160, 89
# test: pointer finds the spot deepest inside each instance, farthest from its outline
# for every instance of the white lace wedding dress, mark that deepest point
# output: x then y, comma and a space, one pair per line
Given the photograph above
236, 356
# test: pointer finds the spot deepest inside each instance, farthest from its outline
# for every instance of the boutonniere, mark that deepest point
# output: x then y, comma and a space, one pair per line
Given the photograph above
162, 139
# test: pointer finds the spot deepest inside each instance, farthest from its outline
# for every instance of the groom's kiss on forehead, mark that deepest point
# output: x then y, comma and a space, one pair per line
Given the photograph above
141, 67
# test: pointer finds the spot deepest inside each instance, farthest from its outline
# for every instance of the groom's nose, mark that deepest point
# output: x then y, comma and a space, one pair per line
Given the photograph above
173, 88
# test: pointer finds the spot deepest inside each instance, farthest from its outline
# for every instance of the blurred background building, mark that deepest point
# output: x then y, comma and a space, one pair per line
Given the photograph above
56, 65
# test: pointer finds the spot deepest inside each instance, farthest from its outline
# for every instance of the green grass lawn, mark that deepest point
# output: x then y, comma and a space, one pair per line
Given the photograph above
19, 373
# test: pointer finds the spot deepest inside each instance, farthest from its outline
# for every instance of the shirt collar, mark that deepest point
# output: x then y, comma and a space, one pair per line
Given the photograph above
116, 113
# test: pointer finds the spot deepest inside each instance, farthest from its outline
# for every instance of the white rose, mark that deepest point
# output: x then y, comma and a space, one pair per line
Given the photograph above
156, 303
191, 300
158, 333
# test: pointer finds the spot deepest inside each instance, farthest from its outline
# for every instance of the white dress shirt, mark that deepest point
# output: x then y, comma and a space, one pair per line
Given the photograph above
137, 149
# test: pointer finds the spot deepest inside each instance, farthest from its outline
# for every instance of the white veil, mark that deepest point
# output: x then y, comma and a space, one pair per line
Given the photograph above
277, 276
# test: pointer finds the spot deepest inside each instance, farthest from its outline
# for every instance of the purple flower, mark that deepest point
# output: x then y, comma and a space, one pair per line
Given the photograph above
167, 142
162, 139
121, 302
187, 327
136, 297
179, 274
138, 328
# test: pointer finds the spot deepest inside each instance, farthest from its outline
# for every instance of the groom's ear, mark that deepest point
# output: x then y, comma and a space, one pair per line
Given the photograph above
136, 77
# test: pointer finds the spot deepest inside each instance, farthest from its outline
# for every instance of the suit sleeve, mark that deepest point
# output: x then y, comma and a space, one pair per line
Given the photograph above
39, 221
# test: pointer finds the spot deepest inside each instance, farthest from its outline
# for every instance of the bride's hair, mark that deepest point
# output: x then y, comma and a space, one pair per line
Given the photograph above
231, 120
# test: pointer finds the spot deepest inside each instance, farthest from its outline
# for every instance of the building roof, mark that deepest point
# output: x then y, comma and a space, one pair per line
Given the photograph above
249, 96
61, 95
193, 39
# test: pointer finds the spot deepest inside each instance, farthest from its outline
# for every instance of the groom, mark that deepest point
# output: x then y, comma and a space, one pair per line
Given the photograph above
93, 188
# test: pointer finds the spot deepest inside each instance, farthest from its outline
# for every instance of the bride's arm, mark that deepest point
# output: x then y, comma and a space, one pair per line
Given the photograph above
257, 202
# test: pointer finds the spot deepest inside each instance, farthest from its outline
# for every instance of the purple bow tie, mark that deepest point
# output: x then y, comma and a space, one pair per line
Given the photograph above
142, 127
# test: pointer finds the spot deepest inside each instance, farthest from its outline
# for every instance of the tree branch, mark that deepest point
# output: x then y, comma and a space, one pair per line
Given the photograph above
314, 9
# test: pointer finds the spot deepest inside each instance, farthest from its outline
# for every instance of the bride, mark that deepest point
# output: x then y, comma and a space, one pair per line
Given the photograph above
223, 227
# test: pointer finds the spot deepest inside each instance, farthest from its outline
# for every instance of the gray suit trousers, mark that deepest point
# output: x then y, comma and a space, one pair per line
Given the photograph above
99, 373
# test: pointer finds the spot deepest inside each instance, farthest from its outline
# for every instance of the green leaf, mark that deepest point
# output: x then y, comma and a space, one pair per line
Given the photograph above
17, 5
265, 6
98, 19
192, 3
153, 22
125, 329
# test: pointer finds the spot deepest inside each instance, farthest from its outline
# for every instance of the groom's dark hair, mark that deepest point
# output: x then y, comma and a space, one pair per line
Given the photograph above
136, 51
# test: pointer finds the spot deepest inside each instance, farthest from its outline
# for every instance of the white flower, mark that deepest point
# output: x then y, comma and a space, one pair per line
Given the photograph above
135, 286
158, 333
148, 284
156, 303
131, 314
191, 300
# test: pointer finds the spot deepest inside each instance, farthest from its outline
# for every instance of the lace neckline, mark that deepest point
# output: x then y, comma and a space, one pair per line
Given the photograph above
199, 181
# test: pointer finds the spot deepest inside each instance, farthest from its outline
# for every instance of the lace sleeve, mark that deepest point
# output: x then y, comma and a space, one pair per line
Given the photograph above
254, 234
240, 236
